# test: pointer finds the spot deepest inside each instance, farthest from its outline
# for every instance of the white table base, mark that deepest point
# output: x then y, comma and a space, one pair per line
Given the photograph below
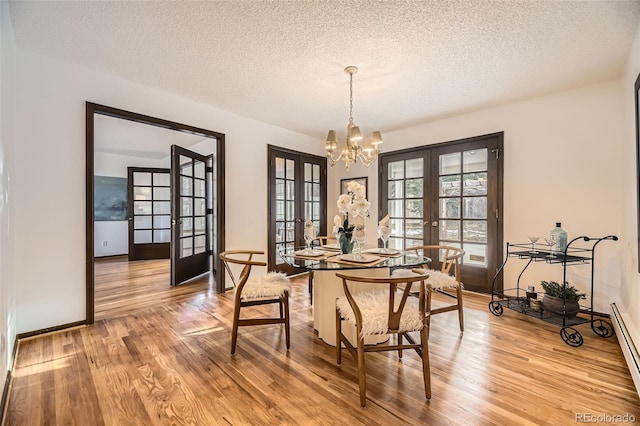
326, 289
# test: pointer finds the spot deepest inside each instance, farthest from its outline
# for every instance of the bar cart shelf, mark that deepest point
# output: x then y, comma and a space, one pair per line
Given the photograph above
519, 299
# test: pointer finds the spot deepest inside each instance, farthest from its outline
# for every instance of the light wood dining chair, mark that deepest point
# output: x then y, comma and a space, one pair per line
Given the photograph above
318, 241
446, 281
383, 311
252, 291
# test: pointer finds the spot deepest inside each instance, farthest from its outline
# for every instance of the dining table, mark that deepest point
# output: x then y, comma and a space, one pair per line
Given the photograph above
325, 260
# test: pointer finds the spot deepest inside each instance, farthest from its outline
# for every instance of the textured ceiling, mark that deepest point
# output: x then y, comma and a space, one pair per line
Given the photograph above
282, 62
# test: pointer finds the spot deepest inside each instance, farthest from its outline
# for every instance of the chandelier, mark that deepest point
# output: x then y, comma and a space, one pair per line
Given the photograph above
352, 151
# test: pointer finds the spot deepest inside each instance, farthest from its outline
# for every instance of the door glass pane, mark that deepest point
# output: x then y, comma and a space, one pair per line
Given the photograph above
475, 254
316, 192
415, 188
186, 227
308, 173
396, 208
414, 208
414, 168
141, 237
199, 188
186, 166
475, 184
290, 231
396, 189
161, 221
290, 190
475, 208
185, 185
279, 232
414, 228
280, 168
475, 231
141, 178
397, 227
199, 244
161, 236
474, 160
449, 230
396, 243
279, 210
396, 170
199, 207
141, 193
161, 179
450, 163
198, 170
142, 207
200, 225
142, 222
161, 207
291, 210
279, 189
161, 193
186, 246
290, 164
316, 173
186, 207
450, 186
450, 208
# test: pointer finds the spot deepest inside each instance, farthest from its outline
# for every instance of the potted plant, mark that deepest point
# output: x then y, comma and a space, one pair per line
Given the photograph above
561, 299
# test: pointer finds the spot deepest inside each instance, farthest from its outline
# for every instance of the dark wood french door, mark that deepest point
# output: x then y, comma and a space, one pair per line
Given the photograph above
297, 191
149, 213
448, 194
190, 215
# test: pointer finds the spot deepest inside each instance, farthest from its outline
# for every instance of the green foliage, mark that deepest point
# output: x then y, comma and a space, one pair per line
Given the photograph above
566, 292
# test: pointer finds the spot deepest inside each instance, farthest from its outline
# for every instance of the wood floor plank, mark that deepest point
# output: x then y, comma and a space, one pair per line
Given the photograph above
164, 359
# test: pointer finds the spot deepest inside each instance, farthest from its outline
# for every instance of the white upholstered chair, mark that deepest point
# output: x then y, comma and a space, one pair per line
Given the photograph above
383, 311
252, 291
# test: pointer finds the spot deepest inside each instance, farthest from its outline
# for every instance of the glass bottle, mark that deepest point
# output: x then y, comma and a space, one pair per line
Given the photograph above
560, 236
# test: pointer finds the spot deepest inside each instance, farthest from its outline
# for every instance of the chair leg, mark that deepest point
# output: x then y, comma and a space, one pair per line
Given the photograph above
338, 340
362, 381
426, 369
428, 311
280, 307
234, 329
399, 343
311, 287
287, 333
460, 310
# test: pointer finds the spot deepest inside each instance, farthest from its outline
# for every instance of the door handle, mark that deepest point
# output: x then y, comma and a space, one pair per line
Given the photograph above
435, 223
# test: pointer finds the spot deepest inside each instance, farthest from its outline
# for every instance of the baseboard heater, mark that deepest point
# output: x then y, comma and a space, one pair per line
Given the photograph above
629, 349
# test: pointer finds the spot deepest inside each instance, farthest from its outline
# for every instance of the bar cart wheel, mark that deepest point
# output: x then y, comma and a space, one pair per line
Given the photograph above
602, 328
495, 308
571, 336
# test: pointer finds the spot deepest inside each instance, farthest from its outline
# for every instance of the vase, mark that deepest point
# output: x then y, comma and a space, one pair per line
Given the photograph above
567, 308
346, 245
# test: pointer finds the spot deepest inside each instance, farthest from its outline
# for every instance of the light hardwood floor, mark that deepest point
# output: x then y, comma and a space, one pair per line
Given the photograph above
169, 363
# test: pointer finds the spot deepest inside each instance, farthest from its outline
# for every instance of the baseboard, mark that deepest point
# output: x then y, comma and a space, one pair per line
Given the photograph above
50, 329
628, 346
7, 383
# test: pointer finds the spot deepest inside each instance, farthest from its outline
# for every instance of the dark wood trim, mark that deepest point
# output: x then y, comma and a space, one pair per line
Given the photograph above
5, 396
49, 330
110, 257
637, 120
220, 214
90, 110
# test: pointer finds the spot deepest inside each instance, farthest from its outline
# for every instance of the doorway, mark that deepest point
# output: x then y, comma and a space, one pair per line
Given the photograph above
214, 211
448, 194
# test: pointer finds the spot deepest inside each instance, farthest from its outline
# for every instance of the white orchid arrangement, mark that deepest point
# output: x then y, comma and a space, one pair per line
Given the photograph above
353, 207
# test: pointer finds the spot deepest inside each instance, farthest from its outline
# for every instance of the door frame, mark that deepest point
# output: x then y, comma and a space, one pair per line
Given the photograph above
499, 153
272, 151
91, 109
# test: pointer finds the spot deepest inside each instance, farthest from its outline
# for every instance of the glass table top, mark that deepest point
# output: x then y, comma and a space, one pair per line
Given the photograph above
324, 259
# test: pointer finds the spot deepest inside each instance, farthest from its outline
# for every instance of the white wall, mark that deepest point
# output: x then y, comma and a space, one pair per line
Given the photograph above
115, 232
630, 286
562, 157
7, 142
50, 138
